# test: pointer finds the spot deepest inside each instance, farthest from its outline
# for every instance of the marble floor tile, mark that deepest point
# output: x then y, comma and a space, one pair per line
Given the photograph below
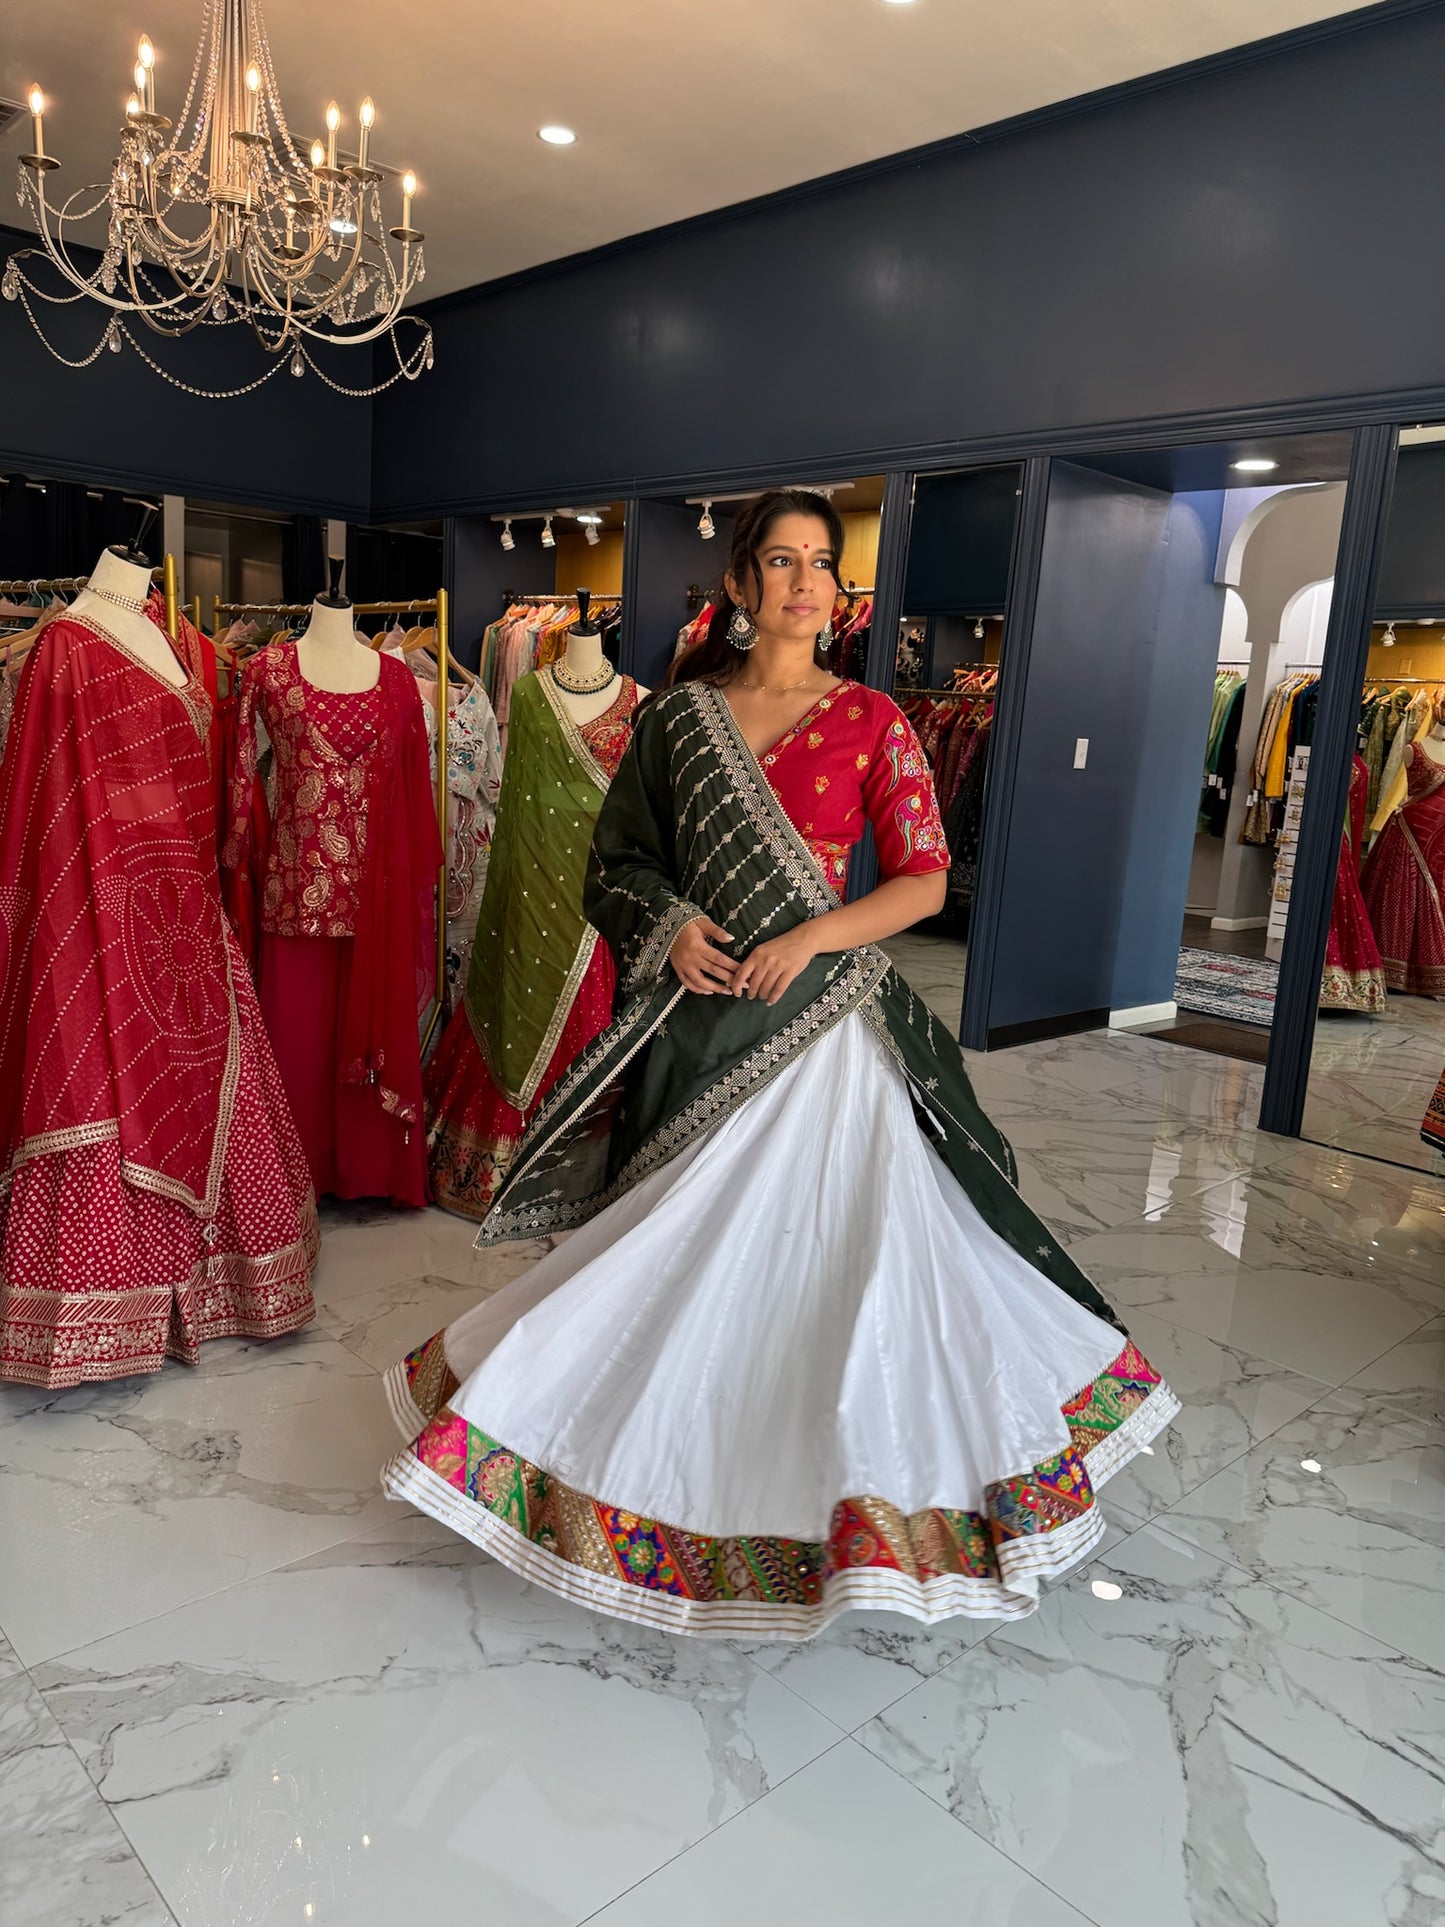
1411, 1375
383, 1737
1345, 1507
64, 1862
1358, 1215
843, 1842
124, 1500
1230, 1402
865, 1661
1110, 1074
358, 1256
1169, 1741
1250, 1284
1086, 1176
384, 1322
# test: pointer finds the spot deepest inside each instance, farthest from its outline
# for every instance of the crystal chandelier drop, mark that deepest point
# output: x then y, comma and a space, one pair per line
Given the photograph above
219, 219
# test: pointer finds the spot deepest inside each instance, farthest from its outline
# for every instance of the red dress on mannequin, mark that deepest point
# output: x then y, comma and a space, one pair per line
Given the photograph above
1404, 882
153, 1193
1353, 978
348, 914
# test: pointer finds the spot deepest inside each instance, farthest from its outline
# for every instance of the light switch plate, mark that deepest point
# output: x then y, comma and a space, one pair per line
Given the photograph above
1081, 752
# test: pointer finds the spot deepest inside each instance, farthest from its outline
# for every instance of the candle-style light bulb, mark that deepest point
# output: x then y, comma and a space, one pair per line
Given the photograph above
366, 116
37, 119
145, 72
253, 89
408, 188
132, 108
139, 77
318, 154
333, 121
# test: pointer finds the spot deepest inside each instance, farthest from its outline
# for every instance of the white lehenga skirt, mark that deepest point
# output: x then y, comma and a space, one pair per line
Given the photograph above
791, 1373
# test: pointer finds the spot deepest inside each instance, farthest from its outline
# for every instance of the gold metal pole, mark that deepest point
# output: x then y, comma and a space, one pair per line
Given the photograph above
172, 595
195, 610
215, 615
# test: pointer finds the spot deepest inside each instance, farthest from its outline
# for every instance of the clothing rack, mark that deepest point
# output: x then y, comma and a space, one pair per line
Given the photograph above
438, 606
166, 575
510, 596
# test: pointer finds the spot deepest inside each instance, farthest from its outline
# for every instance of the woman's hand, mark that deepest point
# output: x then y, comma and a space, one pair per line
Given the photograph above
699, 964
774, 964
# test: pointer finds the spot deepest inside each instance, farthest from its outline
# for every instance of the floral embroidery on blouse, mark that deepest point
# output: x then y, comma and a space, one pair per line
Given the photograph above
874, 769
323, 744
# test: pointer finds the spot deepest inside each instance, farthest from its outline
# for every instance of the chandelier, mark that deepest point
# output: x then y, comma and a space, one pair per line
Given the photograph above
220, 219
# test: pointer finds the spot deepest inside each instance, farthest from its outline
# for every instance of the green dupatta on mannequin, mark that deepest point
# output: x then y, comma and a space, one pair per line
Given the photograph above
691, 825
533, 943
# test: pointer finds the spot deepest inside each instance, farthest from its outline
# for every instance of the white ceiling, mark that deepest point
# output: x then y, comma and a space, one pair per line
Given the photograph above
679, 105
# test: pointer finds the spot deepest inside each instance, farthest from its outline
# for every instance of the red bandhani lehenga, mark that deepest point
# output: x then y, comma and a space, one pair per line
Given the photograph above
1404, 882
153, 1193
1353, 978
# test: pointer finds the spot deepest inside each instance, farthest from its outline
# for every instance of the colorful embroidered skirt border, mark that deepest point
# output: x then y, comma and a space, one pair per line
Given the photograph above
930, 1564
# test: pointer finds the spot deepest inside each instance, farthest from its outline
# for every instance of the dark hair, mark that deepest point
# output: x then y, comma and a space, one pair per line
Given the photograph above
714, 659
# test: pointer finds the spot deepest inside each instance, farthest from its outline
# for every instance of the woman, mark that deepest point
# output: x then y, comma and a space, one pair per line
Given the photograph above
806, 1348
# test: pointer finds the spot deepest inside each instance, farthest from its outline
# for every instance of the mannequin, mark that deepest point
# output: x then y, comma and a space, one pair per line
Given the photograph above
328, 654
587, 680
1432, 743
115, 600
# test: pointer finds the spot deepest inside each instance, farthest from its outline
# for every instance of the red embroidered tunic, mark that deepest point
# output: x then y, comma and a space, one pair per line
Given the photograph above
325, 744
854, 760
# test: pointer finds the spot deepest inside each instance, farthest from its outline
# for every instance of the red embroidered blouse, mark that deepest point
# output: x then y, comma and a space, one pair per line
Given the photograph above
854, 759
326, 744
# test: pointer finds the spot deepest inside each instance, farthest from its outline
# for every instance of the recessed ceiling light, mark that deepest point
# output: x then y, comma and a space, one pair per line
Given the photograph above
341, 226
1255, 465
1106, 1589
556, 136
1310, 1465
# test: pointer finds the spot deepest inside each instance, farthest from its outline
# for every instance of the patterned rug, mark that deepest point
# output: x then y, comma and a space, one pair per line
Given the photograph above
1218, 985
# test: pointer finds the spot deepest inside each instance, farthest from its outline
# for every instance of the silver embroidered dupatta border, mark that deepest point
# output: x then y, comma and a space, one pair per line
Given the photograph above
854, 977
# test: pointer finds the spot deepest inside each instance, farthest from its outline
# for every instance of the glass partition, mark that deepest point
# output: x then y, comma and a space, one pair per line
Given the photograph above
1379, 1047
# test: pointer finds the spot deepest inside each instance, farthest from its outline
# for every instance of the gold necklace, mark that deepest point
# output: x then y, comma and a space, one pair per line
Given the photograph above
777, 689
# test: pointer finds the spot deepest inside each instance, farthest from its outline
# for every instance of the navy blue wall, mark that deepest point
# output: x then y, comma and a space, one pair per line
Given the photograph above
1246, 237
1066, 873
292, 444
1412, 569
1169, 756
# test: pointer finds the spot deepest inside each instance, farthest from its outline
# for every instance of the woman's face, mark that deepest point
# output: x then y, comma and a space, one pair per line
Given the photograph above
797, 564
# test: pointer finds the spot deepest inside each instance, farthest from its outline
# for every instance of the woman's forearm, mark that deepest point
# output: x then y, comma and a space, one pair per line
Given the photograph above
892, 907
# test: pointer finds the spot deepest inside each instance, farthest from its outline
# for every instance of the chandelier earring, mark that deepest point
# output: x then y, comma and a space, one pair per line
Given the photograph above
825, 636
742, 630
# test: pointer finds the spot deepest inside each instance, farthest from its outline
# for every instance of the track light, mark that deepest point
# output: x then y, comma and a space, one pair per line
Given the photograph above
1387, 641
593, 535
509, 541
706, 527
978, 630
549, 541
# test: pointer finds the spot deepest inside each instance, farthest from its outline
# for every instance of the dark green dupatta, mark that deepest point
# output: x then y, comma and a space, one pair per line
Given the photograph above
690, 826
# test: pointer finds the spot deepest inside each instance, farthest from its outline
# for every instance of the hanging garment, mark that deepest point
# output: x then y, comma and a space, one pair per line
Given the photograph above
352, 867
1404, 882
474, 785
807, 1348
541, 982
1353, 977
153, 1193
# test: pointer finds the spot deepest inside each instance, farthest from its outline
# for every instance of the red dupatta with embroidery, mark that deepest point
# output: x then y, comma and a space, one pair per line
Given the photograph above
117, 1016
